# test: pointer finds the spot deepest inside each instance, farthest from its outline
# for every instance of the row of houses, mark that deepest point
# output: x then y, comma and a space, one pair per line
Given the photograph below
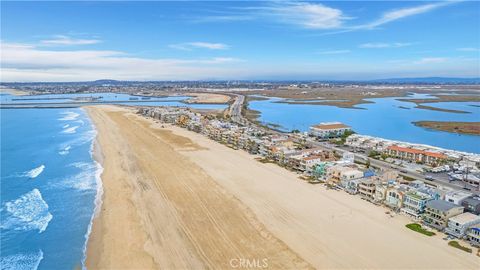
454, 212
281, 149
438, 207
413, 152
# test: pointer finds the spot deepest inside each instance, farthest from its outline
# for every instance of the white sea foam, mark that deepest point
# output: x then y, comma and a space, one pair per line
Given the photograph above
80, 122
29, 261
98, 197
85, 180
29, 212
66, 126
70, 130
34, 172
69, 116
65, 150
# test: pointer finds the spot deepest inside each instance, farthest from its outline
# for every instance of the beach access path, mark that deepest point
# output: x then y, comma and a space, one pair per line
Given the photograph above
175, 199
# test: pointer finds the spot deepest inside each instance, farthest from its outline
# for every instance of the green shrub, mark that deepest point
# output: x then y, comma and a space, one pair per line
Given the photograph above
418, 228
455, 244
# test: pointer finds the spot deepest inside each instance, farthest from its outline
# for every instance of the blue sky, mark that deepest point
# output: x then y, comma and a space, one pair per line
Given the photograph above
161, 40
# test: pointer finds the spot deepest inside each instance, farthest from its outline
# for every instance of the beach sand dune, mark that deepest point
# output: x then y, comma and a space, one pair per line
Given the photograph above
175, 199
161, 210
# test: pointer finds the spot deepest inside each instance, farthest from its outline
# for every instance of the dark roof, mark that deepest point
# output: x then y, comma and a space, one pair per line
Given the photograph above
441, 205
472, 200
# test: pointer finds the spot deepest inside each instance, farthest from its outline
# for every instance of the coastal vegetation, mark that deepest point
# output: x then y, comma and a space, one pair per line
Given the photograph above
455, 244
418, 228
472, 128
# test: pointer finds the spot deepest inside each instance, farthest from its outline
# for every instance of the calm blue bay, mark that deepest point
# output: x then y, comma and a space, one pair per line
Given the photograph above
386, 118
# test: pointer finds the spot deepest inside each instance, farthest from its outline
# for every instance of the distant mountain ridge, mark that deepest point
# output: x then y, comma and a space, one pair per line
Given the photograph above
413, 80
432, 80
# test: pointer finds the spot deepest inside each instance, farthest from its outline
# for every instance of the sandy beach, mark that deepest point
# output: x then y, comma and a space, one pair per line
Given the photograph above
207, 98
13, 92
175, 199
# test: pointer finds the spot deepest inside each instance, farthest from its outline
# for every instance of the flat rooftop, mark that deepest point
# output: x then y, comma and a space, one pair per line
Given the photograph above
330, 125
465, 218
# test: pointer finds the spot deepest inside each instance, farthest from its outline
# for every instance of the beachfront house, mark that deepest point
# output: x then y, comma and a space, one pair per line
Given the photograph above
473, 235
395, 195
380, 192
457, 196
367, 189
414, 203
458, 225
437, 213
352, 186
472, 204
339, 175
329, 130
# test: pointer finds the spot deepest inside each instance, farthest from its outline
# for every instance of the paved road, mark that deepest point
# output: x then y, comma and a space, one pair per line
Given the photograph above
236, 109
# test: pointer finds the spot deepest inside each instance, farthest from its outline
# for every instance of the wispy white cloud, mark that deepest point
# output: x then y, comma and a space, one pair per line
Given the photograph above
380, 45
32, 63
320, 16
62, 40
397, 14
468, 49
431, 60
308, 15
188, 46
334, 52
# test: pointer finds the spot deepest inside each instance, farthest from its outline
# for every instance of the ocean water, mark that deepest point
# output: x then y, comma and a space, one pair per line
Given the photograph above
49, 187
386, 118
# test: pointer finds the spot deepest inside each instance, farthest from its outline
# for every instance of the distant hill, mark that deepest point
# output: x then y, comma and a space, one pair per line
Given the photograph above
430, 80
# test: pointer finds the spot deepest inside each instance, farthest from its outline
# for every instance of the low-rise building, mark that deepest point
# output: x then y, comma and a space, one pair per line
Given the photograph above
472, 204
458, 225
381, 192
339, 175
457, 196
329, 130
473, 235
415, 155
352, 186
395, 196
366, 188
437, 213
414, 203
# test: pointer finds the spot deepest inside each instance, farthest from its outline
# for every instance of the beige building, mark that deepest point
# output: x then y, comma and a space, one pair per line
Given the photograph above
337, 174
329, 130
437, 213
366, 188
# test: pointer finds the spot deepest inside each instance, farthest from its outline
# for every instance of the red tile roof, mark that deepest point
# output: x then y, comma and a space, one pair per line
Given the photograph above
417, 151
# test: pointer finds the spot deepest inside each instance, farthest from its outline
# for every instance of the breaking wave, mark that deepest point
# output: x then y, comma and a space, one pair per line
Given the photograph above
69, 116
34, 172
65, 150
85, 180
29, 212
70, 130
29, 261
85, 137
